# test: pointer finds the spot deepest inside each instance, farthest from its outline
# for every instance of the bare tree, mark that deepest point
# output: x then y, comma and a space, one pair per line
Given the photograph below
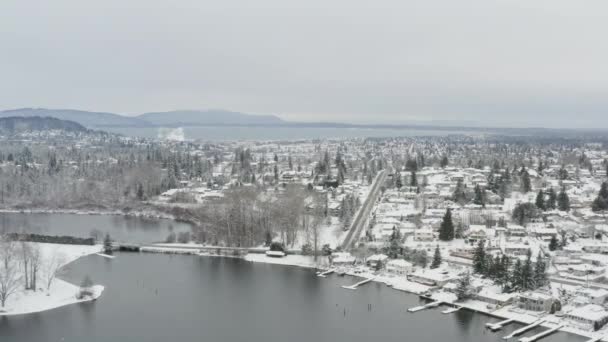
10, 279
53, 266
35, 260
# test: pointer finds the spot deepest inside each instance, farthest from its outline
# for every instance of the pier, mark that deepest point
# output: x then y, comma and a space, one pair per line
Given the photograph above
354, 286
325, 273
451, 310
540, 335
524, 329
422, 307
595, 339
499, 325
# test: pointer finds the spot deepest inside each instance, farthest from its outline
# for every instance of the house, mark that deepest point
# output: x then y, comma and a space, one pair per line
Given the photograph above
399, 267
424, 234
342, 259
377, 261
593, 296
432, 277
516, 249
535, 301
589, 317
516, 230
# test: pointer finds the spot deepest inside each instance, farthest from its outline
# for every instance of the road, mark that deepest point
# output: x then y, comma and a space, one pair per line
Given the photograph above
361, 218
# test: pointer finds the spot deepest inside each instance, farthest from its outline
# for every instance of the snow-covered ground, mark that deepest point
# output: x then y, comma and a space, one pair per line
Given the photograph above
61, 292
289, 260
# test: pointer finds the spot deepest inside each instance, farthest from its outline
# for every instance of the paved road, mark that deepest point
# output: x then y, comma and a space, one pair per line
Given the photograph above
361, 218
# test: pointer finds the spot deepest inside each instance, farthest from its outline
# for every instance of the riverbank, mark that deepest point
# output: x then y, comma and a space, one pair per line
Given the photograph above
61, 292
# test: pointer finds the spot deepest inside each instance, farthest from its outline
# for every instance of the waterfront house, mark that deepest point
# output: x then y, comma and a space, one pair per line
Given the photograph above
589, 317
377, 261
432, 277
399, 267
535, 301
342, 259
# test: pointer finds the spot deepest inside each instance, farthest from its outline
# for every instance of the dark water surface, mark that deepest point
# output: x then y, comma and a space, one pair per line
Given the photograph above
153, 297
121, 228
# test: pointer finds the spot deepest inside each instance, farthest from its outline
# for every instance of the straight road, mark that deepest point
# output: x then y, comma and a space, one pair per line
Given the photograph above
361, 218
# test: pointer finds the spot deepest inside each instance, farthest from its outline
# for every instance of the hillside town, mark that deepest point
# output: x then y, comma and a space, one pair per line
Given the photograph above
512, 226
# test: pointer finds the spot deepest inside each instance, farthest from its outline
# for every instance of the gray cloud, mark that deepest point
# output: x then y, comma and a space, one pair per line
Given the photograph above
498, 62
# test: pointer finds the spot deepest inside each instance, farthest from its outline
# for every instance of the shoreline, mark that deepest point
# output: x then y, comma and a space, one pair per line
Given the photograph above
62, 293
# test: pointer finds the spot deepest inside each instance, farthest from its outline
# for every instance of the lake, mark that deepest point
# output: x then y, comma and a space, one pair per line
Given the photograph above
154, 297
121, 228
209, 133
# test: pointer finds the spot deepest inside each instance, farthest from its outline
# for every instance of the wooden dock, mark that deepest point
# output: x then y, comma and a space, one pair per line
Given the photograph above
326, 273
499, 325
524, 329
451, 310
354, 286
422, 307
541, 334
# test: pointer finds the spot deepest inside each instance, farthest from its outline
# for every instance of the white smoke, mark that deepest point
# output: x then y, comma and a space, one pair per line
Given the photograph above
175, 134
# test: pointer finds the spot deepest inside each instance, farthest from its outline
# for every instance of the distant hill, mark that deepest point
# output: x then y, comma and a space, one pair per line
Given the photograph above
85, 118
207, 118
171, 118
15, 124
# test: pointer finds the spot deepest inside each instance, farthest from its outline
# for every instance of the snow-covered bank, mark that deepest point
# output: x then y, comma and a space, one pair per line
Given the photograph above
289, 260
61, 292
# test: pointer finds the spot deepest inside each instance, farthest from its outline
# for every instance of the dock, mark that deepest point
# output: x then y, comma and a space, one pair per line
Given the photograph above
595, 339
422, 307
524, 329
451, 310
354, 286
499, 325
540, 335
324, 274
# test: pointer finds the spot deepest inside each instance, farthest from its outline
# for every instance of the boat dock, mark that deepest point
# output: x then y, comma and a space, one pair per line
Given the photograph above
451, 310
540, 335
354, 286
524, 329
422, 307
325, 273
596, 339
499, 325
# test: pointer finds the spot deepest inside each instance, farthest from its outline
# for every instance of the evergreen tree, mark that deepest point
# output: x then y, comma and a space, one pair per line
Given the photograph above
413, 179
479, 198
459, 195
563, 201
601, 201
540, 200
436, 258
463, 290
398, 181
516, 275
525, 182
527, 273
479, 258
553, 243
540, 275
551, 203
446, 231
444, 162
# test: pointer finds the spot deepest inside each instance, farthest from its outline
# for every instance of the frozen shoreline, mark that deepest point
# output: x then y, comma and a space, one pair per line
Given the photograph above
136, 213
62, 293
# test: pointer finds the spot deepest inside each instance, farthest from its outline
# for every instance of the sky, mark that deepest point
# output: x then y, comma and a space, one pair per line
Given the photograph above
482, 62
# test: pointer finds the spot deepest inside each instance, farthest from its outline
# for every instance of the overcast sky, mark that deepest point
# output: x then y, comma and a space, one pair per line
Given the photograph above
511, 62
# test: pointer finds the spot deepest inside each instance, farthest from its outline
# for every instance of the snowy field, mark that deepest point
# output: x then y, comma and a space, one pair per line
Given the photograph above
60, 293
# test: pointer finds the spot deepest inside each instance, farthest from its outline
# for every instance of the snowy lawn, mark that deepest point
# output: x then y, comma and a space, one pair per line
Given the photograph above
61, 292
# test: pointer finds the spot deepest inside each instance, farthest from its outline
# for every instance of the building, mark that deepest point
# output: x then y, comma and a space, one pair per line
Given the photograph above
342, 259
377, 261
589, 317
432, 277
423, 234
399, 267
535, 301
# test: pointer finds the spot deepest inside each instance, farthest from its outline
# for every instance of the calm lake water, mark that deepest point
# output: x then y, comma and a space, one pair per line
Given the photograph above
272, 133
121, 228
153, 297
